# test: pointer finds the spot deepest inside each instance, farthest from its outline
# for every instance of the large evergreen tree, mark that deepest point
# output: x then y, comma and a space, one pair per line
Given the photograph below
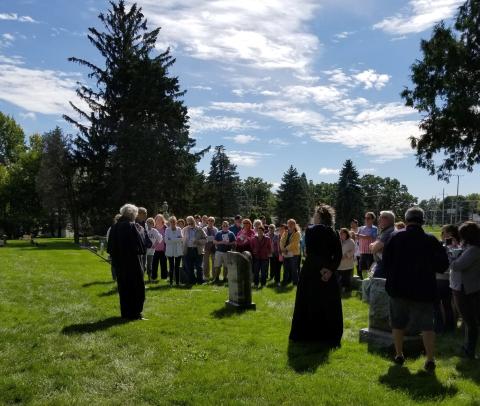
447, 94
292, 198
133, 142
349, 196
260, 200
223, 185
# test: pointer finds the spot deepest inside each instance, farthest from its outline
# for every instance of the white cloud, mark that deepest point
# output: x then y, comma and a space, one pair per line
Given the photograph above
384, 112
244, 158
242, 138
269, 34
343, 35
365, 171
200, 87
235, 107
8, 37
369, 78
338, 77
35, 90
29, 115
328, 171
383, 139
200, 122
16, 17
419, 16
11, 60
279, 142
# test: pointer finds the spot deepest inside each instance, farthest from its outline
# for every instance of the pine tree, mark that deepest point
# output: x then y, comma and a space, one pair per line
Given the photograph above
292, 198
134, 143
349, 198
223, 184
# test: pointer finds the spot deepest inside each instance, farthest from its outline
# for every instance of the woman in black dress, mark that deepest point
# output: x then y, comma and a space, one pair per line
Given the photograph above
125, 246
318, 307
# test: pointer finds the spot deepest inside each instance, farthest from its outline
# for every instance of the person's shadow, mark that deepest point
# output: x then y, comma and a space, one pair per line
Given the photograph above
94, 326
419, 386
306, 357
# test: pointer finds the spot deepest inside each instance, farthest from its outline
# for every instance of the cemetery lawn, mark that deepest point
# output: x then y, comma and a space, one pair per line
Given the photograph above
62, 343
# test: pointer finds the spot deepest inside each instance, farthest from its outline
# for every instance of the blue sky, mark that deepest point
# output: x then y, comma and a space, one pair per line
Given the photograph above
278, 82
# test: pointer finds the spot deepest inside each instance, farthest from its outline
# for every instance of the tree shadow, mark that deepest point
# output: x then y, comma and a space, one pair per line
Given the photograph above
111, 292
54, 245
87, 285
469, 369
227, 311
92, 327
306, 357
419, 386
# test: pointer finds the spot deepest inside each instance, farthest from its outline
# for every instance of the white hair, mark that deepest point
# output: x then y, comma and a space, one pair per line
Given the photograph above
257, 222
390, 215
130, 211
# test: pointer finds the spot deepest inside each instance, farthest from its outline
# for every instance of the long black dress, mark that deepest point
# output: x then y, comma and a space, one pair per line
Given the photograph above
318, 306
125, 245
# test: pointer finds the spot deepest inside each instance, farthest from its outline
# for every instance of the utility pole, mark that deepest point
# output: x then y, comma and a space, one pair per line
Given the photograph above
443, 207
456, 201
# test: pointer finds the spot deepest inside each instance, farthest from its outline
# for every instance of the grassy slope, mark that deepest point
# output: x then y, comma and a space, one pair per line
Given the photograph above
61, 343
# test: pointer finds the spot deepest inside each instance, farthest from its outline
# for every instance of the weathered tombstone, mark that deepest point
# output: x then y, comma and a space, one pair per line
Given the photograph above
239, 265
378, 334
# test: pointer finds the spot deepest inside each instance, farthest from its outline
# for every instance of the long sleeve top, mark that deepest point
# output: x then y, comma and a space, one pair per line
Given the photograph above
292, 244
467, 266
261, 248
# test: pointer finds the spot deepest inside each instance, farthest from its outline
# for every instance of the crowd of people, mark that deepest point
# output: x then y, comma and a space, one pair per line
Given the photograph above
430, 283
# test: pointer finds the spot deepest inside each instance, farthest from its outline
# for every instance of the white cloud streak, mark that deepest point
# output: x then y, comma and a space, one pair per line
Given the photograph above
419, 16
328, 171
269, 34
242, 138
16, 17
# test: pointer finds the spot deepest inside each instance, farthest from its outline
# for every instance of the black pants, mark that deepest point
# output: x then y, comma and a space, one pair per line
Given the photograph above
174, 268
344, 278
444, 318
275, 267
366, 261
469, 308
159, 257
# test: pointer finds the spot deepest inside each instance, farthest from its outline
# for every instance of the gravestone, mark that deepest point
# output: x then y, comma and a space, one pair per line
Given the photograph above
378, 334
239, 265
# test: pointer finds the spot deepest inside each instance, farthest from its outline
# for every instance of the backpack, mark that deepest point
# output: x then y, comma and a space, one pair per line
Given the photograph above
148, 241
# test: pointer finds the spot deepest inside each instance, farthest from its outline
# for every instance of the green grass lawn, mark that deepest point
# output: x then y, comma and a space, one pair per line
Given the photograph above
62, 342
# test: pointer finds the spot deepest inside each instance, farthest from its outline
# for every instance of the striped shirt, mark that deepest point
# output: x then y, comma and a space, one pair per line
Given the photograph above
364, 243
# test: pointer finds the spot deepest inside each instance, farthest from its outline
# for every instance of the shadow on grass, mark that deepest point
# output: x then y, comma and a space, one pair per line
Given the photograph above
307, 357
94, 326
87, 285
419, 386
225, 312
155, 286
50, 245
469, 369
111, 292
281, 289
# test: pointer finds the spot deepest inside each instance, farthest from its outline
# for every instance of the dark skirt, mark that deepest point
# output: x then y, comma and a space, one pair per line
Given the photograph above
318, 308
131, 288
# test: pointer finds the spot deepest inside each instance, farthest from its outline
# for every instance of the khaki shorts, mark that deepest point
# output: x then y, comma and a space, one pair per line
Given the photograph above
220, 259
410, 314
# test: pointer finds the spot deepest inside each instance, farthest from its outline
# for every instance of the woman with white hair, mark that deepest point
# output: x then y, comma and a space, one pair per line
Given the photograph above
125, 246
318, 306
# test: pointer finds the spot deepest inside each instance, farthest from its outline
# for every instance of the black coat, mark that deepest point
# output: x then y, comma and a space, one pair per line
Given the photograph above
410, 259
125, 245
318, 306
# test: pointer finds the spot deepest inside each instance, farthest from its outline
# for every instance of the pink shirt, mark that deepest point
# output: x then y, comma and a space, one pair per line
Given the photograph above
161, 246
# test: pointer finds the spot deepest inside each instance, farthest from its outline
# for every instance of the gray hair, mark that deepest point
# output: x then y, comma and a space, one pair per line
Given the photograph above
257, 222
129, 211
415, 215
390, 215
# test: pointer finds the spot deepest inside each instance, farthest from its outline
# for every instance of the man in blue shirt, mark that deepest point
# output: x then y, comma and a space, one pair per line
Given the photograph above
237, 226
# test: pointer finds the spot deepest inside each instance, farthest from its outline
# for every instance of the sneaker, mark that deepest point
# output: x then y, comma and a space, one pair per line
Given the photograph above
429, 365
399, 359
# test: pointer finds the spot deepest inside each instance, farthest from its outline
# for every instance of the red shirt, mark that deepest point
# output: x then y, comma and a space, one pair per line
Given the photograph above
261, 249
243, 239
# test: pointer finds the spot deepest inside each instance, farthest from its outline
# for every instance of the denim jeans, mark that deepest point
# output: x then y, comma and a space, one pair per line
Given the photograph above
290, 270
193, 262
